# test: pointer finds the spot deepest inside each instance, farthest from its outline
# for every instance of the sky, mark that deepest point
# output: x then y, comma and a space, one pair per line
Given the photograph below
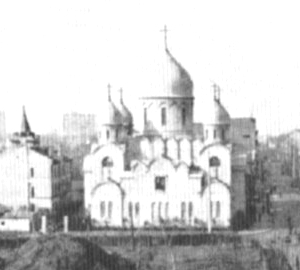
59, 56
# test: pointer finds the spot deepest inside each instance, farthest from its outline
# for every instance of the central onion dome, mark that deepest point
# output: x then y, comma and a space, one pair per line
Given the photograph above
168, 78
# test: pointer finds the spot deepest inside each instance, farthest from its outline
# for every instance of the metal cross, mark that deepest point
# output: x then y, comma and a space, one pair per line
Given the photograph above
165, 30
121, 95
216, 92
108, 89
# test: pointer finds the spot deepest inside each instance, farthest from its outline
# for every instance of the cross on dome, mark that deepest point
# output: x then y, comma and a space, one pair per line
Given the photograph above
165, 30
108, 91
217, 90
121, 94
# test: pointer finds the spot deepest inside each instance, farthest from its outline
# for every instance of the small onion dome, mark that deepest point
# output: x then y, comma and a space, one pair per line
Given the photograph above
127, 118
112, 116
217, 114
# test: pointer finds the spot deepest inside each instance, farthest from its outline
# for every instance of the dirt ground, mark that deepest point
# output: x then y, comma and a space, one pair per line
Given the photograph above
61, 252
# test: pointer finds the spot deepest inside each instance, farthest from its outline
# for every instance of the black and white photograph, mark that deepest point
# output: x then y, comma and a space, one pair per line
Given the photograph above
149, 135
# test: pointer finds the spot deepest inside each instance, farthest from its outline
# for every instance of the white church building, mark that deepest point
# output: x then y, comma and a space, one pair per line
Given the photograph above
173, 172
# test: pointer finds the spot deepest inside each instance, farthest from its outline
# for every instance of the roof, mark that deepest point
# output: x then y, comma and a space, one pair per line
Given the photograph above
25, 127
127, 118
111, 114
168, 78
4, 209
217, 114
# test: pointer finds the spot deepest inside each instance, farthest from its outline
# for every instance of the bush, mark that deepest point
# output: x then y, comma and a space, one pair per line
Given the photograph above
238, 221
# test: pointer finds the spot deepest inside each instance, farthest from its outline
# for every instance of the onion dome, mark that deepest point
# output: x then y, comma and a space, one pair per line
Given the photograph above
112, 115
217, 114
127, 118
168, 78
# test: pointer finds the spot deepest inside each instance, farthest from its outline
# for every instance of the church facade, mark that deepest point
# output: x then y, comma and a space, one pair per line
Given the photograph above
171, 173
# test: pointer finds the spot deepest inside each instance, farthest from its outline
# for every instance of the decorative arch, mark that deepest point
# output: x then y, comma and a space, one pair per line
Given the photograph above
172, 149
146, 148
96, 187
160, 164
182, 165
138, 165
158, 146
210, 145
204, 181
185, 151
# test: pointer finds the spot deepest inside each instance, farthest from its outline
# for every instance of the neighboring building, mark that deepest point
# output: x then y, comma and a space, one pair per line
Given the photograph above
2, 129
78, 128
244, 136
32, 177
175, 170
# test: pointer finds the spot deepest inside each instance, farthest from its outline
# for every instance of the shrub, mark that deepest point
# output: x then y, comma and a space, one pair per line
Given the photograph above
238, 221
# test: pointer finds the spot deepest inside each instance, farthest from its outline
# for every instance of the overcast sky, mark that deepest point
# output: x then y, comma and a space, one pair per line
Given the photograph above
58, 56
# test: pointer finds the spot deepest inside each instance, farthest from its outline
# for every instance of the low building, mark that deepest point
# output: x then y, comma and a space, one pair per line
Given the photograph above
32, 177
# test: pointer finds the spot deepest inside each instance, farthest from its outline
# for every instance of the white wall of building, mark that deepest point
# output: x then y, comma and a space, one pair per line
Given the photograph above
15, 224
183, 197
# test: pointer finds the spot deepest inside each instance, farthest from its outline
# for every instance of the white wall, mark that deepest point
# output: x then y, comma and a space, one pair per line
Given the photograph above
138, 185
18, 224
14, 178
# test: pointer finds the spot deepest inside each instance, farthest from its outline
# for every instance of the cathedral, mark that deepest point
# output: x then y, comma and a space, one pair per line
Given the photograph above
175, 172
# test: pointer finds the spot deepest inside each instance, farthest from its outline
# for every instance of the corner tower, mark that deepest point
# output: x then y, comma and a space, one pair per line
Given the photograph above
217, 123
117, 122
168, 108
25, 136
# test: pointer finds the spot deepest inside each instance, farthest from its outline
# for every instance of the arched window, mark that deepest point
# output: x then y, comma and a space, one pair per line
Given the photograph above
137, 209
159, 211
152, 211
107, 134
190, 210
223, 134
183, 116
218, 209
215, 134
183, 211
203, 182
102, 209
163, 116
110, 206
107, 162
214, 162
130, 210
145, 117
31, 172
166, 210
32, 192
